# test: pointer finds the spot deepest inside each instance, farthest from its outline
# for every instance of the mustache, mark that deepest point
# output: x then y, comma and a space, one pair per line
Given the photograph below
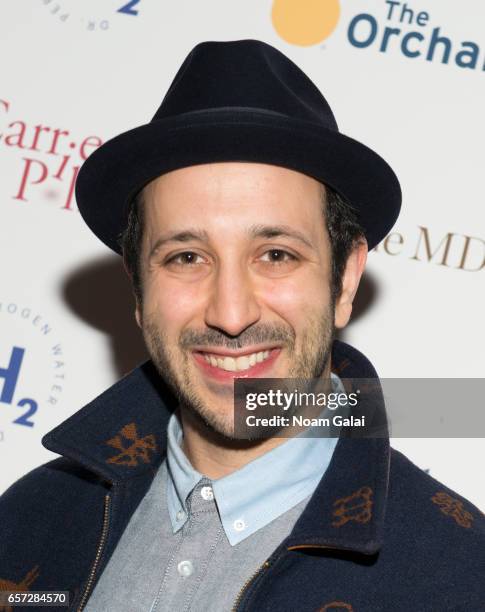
256, 334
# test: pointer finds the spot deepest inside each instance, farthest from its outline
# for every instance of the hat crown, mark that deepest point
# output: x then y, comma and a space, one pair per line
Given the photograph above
239, 101
244, 74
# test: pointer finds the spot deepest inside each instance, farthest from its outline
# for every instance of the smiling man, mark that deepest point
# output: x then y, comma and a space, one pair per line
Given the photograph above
228, 260
244, 218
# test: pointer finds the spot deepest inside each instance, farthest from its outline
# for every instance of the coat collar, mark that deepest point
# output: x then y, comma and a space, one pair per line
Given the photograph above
122, 434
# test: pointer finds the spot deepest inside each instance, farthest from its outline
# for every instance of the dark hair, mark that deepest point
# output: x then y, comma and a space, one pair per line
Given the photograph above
343, 229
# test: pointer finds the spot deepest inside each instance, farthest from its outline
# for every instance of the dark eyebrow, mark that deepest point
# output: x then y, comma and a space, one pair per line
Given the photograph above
183, 236
255, 231
275, 231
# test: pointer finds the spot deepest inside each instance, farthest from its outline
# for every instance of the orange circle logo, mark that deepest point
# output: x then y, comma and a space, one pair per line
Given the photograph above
305, 22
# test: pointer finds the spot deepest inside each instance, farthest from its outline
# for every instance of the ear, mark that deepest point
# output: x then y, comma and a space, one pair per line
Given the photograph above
138, 305
138, 313
350, 282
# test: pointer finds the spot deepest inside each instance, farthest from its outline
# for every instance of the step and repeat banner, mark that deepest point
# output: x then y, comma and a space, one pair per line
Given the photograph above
407, 79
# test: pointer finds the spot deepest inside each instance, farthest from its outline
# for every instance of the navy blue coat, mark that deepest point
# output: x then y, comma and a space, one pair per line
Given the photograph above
378, 535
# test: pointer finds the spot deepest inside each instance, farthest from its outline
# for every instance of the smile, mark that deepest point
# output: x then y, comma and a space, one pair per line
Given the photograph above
224, 367
236, 364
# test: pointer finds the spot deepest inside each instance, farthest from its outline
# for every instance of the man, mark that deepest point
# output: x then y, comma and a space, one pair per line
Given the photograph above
244, 218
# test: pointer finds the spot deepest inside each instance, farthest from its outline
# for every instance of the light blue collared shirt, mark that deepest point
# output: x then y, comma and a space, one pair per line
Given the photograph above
258, 493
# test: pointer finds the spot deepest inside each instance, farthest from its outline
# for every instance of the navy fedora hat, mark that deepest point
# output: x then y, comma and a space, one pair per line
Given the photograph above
237, 101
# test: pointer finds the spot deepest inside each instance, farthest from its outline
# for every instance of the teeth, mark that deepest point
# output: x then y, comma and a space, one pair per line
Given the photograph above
236, 364
242, 363
227, 363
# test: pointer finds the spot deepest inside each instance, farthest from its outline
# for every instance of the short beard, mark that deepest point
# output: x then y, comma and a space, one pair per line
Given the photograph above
309, 363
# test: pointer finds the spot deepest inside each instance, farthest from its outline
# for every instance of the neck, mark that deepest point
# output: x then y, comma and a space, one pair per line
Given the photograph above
215, 456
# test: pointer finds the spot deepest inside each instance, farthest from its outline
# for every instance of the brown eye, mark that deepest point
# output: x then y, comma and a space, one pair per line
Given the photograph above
278, 256
185, 258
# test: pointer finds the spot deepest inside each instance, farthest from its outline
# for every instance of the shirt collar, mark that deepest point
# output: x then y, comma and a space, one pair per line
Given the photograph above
182, 477
259, 492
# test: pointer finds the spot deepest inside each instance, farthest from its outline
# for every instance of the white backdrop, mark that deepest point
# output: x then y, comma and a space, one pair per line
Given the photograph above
77, 72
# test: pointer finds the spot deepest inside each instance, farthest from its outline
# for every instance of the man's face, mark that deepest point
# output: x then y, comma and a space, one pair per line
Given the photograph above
236, 271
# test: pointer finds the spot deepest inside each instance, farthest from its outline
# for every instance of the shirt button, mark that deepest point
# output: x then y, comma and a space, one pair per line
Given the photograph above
180, 515
185, 568
239, 525
207, 493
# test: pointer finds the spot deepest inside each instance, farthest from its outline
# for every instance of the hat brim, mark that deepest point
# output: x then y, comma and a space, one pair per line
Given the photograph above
116, 171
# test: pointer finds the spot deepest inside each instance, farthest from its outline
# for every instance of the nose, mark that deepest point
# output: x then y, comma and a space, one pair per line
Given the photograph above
233, 305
